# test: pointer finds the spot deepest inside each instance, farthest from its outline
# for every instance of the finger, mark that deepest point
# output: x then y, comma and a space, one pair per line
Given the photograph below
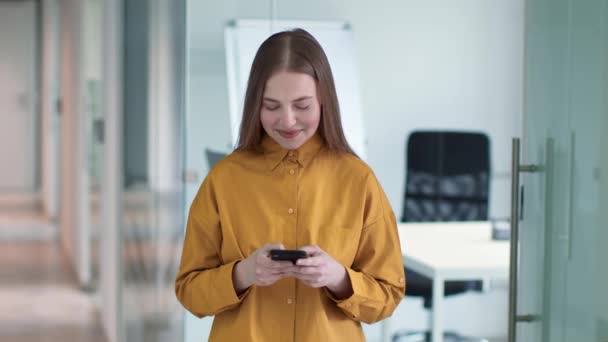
279, 272
266, 282
312, 250
308, 277
308, 270
275, 272
288, 273
284, 272
280, 264
289, 269
265, 261
305, 278
270, 278
311, 261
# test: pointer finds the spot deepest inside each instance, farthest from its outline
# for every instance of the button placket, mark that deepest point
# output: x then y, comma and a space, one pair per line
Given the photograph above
290, 166
292, 156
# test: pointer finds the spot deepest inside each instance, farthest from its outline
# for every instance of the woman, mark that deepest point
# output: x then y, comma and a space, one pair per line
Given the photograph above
293, 182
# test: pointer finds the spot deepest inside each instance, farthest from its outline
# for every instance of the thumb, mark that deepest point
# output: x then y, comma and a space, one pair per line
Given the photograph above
312, 250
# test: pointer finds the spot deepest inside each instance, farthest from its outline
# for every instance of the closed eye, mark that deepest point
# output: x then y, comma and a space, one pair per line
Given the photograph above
271, 108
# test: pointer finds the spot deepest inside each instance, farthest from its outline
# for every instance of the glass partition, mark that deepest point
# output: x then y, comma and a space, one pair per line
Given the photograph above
153, 189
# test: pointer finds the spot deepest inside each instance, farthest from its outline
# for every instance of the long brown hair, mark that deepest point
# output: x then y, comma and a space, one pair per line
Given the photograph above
297, 51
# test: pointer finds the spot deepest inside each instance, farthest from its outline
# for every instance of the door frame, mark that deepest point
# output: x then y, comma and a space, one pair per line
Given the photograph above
49, 45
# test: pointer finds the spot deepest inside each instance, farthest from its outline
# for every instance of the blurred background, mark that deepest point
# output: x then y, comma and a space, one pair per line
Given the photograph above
112, 112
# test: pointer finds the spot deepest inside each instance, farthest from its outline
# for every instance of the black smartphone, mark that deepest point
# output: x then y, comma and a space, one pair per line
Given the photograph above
287, 254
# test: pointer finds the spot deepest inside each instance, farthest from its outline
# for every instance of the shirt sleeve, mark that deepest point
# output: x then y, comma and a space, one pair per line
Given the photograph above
204, 283
377, 274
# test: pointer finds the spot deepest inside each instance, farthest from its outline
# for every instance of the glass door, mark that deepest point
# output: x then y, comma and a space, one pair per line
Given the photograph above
559, 296
586, 272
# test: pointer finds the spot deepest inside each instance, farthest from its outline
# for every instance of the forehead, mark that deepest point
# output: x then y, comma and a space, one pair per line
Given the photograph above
288, 85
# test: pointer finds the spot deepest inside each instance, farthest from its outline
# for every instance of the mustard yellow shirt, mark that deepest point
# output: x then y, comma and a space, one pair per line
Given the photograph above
309, 196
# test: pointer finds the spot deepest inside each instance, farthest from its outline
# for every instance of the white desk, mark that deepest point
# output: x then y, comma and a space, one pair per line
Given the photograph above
452, 251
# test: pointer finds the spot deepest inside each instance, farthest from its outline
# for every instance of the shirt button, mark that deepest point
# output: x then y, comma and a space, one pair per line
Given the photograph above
290, 211
401, 280
291, 172
290, 153
289, 301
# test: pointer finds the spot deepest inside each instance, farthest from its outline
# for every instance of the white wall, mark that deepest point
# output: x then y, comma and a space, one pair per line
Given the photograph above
18, 98
442, 65
208, 88
424, 65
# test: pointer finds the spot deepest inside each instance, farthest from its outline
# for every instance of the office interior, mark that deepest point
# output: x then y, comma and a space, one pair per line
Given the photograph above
109, 110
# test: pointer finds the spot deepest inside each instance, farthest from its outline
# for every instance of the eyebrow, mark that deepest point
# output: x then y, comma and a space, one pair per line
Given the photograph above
302, 98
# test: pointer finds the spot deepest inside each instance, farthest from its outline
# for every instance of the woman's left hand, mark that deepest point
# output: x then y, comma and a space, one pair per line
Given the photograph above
319, 269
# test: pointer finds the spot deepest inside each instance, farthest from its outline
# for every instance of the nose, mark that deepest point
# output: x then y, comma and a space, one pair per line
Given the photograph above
288, 119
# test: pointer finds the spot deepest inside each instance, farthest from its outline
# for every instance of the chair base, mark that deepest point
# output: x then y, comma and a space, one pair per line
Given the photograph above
425, 336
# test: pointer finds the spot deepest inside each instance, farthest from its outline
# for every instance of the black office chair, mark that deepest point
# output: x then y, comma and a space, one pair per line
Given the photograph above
448, 176
213, 157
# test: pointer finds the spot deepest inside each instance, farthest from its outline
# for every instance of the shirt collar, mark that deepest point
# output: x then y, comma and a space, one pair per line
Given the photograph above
275, 153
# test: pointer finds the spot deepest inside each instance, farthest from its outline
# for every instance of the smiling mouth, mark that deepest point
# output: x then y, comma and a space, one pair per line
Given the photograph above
289, 134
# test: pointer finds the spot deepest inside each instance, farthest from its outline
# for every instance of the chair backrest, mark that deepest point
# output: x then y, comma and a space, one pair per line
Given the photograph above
213, 157
448, 177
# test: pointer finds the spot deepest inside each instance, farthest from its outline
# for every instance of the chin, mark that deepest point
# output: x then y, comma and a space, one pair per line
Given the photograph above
291, 145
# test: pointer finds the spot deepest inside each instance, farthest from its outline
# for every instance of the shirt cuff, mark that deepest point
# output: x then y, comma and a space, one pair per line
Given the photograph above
350, 305
224, 286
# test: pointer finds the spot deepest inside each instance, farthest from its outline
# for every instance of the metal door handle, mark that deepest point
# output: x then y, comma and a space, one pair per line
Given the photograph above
571, 192
527, 318
516, 168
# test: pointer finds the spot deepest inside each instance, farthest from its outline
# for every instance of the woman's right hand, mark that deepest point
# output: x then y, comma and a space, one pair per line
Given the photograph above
258, 269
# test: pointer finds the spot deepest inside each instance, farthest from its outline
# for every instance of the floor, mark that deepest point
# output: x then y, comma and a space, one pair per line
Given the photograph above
39, 296
39, 300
